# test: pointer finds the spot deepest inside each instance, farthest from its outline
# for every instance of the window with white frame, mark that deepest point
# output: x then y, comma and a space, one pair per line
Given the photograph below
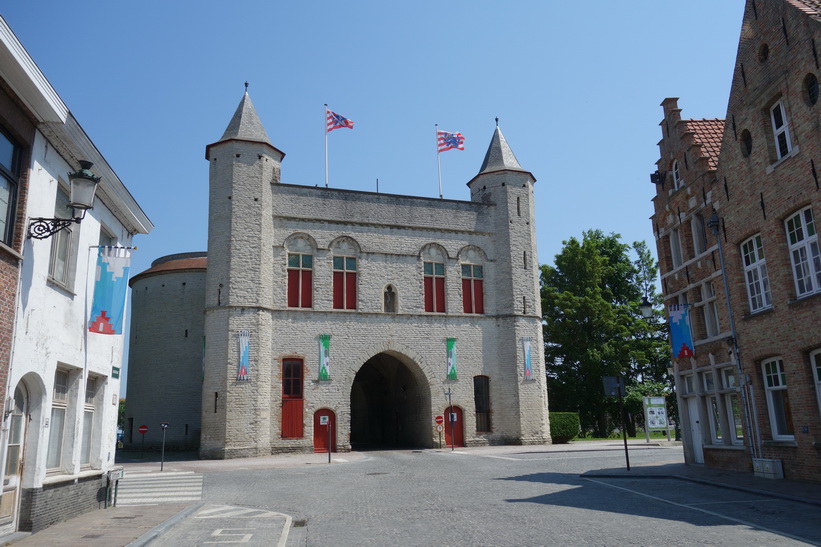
689, 384
804, 252
781, 130
815, 363
10, 163
713, 409
755, 274
678, 182
88, 420
675, 247
699, 234
778, 399
709, 308
61, 266
732, 405
59, 405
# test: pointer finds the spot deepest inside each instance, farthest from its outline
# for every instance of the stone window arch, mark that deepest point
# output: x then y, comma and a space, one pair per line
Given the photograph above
472, 262
345, 256
433, 271
300, 250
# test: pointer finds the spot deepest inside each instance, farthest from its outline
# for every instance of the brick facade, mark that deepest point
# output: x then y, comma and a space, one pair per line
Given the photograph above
53, 503
764, 175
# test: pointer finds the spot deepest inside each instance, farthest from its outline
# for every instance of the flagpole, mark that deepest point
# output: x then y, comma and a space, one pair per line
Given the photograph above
326, 145
438, 162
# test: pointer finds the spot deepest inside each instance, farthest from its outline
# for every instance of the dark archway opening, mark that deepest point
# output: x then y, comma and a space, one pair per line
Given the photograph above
390, 405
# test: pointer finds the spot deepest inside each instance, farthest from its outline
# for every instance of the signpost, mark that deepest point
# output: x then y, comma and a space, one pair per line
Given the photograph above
143, 429
613, 385
655, 416
164, 426
439, 427
452, 418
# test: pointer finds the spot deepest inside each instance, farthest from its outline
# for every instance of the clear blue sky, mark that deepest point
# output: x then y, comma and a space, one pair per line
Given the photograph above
577, 87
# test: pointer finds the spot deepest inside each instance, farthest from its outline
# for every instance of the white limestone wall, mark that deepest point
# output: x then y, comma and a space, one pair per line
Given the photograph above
50, 330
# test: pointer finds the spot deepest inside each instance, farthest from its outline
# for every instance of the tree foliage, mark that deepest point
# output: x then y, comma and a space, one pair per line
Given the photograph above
593, 325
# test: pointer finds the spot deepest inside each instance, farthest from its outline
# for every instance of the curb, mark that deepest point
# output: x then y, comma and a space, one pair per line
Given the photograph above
148, 537
707, 483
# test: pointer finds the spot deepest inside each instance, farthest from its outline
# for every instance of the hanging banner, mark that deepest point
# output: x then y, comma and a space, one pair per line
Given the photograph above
110, 285
680, 335
324, 356
528, 368
244, 355
451, 344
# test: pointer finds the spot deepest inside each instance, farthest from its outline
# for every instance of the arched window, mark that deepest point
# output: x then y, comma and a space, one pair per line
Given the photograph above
433, 262
473, 294
345, 253
300, 272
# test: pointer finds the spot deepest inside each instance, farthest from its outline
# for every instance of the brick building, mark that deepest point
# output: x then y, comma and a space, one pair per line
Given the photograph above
764, 192
360, 312
61, 382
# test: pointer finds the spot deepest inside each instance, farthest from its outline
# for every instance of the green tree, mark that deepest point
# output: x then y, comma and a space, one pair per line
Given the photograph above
593, 325
121, 414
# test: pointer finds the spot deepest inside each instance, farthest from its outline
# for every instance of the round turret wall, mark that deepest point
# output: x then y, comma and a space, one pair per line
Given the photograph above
165, 353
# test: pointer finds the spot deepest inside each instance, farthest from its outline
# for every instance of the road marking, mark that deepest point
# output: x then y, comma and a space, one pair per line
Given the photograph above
245, 538
713, 513
232, 511
771, 500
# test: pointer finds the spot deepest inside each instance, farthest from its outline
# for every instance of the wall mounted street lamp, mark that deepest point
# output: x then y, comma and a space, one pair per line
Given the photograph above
83, 186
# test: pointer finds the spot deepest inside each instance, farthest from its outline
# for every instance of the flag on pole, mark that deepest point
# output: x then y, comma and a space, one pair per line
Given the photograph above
110, 284
335, 121
244, 355
680, 334
449, 141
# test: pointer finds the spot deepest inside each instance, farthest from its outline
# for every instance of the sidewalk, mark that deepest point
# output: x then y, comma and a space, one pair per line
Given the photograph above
135, 526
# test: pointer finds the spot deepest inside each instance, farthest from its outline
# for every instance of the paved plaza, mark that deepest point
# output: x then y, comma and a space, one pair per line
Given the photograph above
578, 494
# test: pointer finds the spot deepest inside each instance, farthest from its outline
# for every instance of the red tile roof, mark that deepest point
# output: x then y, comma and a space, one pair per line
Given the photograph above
811, 7
199, 263
708, 133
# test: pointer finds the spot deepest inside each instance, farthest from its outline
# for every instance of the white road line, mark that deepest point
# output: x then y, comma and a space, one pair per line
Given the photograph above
771, 500
719, 515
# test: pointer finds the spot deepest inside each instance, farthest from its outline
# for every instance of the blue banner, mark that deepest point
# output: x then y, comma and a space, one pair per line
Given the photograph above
110, 285
681, 337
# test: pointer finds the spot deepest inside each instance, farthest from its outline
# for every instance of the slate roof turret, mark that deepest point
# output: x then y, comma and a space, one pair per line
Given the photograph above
499, 156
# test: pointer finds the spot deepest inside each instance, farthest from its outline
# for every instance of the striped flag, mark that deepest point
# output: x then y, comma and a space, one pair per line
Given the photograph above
448, 141
335, 121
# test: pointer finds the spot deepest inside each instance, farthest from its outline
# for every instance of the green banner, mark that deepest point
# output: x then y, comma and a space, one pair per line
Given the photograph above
324, 356
451, 343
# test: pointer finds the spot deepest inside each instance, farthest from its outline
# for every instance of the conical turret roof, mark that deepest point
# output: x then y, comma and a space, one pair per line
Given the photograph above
245, 124
499, 156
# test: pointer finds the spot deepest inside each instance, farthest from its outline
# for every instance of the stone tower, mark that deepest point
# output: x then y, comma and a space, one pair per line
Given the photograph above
502, 181
243, 166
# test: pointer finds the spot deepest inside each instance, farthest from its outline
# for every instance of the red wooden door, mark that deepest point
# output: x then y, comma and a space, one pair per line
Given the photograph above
458, 427
292, 399
321, 431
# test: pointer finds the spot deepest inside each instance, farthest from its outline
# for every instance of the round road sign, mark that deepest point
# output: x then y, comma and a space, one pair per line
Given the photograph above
440, 428
440, 419
143, 429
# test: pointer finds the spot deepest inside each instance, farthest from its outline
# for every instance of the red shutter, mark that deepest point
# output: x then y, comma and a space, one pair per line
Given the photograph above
338, 290
350, 291
307, 288
428, 294
467, 301
440, 294
293, 288
478, 296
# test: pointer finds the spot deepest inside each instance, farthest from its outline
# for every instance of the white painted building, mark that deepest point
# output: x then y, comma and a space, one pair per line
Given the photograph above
59, 431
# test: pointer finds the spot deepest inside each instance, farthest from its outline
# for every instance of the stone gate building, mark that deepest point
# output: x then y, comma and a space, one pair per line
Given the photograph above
359, 314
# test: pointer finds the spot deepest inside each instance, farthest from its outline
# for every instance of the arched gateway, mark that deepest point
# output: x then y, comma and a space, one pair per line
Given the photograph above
390, 404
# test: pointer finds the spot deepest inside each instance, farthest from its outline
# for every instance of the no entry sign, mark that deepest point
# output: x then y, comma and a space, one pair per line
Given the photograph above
143, 429
440, 419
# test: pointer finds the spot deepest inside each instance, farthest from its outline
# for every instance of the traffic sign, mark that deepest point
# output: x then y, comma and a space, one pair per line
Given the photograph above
440, 420
143, 429
440, 428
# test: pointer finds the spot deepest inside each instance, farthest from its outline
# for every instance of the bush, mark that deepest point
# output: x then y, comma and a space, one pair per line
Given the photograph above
564, 426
